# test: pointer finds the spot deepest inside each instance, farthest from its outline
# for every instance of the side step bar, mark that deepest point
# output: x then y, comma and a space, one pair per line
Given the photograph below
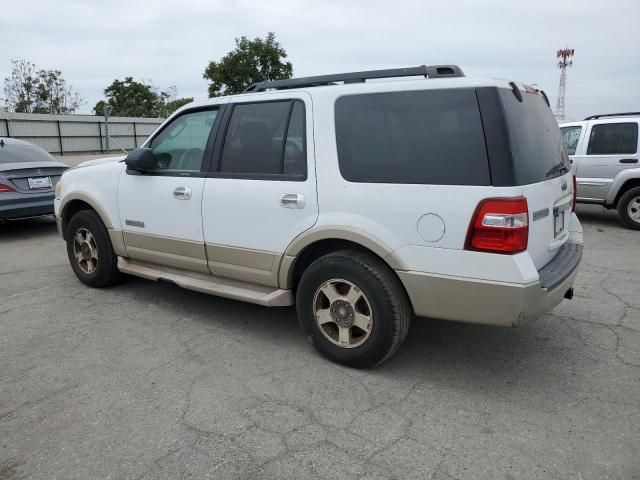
201, 282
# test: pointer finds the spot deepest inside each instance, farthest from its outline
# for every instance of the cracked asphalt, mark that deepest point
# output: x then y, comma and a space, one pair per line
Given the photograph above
148, 381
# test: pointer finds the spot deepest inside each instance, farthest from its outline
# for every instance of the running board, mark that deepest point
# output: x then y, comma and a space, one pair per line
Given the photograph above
201, 282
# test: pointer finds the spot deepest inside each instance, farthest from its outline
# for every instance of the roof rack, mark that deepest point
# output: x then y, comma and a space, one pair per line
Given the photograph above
429, 71
624, 114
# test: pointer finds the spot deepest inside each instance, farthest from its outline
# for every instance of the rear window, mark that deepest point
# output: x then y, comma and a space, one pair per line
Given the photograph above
421, 137
17, 153
534, 135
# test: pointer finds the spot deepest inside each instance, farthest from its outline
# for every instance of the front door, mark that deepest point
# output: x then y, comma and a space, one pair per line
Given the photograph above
612, 147
161, 210
262, 191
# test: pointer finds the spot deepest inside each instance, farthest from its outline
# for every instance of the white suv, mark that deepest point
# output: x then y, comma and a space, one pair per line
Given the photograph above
362, 202
604, 153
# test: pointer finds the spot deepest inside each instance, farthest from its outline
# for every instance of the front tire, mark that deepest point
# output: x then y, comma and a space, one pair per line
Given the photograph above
90, 251
353, 308
629, 208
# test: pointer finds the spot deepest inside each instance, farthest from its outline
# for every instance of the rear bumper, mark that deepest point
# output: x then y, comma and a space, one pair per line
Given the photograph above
18, 205
489, 302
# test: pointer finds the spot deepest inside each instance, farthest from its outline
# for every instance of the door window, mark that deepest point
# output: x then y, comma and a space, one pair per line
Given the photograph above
265, 139
180, 146
570, 137
613, 139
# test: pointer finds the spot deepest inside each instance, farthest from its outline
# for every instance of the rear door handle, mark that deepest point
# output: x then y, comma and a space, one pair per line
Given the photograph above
182, 193
293, 200
629, 160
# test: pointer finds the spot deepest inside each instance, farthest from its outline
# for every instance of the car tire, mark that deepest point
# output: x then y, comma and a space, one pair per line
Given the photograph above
90, 251
629, 208
353, 308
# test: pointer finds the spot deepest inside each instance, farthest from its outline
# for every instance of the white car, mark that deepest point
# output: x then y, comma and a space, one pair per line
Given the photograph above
604, 150
362, 202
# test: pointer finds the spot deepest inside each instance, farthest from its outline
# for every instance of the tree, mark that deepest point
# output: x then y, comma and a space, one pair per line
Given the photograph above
43, 91
130, 98
250, 62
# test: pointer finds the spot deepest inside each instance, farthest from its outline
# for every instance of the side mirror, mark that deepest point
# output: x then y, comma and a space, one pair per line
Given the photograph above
140, 159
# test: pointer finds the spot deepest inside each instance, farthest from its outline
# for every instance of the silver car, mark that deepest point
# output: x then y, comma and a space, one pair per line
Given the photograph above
606, 160
28, 176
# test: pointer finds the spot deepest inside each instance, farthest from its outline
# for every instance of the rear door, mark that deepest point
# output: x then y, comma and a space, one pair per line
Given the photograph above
542, 168
261, 193
611, 147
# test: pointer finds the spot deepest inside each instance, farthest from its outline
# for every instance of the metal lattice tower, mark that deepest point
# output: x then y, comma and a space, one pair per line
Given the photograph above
564, 60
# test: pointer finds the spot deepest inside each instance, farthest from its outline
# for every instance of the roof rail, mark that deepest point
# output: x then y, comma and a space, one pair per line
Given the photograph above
624, 114
429, 71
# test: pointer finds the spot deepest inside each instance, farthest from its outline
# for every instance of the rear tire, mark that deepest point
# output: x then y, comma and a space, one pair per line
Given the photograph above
629, 208
353, 308
90, 251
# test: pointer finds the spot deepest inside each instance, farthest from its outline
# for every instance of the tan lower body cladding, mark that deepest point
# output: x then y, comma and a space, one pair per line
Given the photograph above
252, 266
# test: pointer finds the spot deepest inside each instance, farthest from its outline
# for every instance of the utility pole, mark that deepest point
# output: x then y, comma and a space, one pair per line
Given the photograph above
564, 57
107, 111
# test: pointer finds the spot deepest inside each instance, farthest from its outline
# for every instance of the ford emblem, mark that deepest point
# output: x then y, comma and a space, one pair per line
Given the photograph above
564, 185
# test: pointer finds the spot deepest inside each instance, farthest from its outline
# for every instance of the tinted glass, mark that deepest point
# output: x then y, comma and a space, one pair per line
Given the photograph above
536, 143
613, 138
570, 137
295, 155
181, 145
255, 138
423, 137
20, 152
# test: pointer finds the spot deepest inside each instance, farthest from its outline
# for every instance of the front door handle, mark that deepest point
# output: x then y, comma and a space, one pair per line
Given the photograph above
629, 160
293, 200
182, 193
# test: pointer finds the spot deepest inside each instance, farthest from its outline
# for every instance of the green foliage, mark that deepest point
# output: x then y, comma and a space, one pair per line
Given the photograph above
42, 91
250, 62
129, 98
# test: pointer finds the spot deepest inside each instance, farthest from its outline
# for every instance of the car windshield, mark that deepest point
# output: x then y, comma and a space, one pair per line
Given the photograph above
18, 152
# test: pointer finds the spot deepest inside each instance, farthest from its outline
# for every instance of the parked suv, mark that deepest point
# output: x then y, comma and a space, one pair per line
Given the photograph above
604, 152
361, 202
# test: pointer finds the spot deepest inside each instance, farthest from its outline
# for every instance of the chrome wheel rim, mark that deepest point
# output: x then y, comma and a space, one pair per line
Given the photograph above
633, 209
343, 313
85, 251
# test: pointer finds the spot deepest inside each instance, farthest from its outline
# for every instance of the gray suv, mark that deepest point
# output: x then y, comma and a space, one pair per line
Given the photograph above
604, 153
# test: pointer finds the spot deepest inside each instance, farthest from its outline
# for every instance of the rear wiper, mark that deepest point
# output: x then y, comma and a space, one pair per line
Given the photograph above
558, 168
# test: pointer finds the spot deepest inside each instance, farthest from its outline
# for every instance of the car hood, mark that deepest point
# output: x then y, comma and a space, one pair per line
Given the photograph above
4, 167
102, 161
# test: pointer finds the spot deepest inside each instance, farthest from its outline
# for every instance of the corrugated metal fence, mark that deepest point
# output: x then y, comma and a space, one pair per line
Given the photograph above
61, 134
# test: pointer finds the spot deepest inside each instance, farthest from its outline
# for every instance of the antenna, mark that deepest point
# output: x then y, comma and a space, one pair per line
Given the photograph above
564, 57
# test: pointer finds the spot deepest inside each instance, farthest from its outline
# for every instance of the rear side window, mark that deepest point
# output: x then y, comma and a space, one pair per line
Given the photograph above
570, 137
265, 138
423, 137
536, 143
613, 138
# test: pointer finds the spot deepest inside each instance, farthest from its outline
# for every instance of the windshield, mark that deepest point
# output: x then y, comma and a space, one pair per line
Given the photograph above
536, 142
19, 152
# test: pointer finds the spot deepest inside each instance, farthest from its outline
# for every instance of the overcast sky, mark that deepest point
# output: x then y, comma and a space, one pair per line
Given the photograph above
171, 42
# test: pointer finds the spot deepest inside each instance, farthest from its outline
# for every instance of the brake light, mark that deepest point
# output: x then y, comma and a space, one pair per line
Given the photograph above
499, 225
575, 193
5, 188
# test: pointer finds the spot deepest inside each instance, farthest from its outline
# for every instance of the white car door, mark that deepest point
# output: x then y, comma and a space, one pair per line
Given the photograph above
161, 209
261, 193
609, 146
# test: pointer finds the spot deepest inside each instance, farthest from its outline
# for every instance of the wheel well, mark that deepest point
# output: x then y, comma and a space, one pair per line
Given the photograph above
629, 184
322, 247
70, 210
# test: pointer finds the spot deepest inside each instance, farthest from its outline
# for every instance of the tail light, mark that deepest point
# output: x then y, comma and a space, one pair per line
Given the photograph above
5, 188
499, 225
575, 193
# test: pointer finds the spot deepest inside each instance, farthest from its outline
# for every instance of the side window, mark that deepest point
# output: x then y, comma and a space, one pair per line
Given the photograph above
422, 137
180, 145
613, 139
265, 139
570, 137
